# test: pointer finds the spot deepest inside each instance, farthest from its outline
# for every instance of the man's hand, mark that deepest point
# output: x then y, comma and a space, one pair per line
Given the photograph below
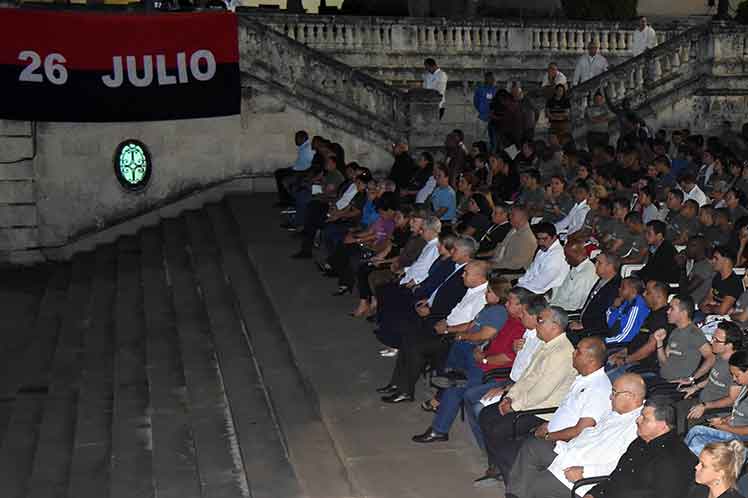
410, 284
441, 327
573, 474
697, 411
478, 355
682, 382
541, 431
518, 344
576, 325
492, 393
423, 311
505, 406
660, 335
690, 391
617, 302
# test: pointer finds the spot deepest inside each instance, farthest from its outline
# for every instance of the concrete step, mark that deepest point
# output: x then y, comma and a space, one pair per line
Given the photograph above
16, 148
51, 470
15, 239
18, 215
318, 466
218, 461
17, 171
89, 475
131, 460
175, 470
17, 191
19, 445
11, 127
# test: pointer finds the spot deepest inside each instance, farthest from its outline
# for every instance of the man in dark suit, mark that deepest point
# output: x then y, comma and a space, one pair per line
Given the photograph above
420, 343
661, 263
593, 319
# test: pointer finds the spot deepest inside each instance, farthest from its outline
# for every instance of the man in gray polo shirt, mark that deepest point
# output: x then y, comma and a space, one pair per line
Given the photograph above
686, 347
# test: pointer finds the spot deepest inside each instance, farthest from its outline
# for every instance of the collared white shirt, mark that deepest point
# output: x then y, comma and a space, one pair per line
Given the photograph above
560, 80
696, 194
644, 40
471, 303
436, 81
419, 270
426, 190
589, 67
547, 271
433, 294
524, 355
575, 288
588, 397
347, 196
574, 221
597, 449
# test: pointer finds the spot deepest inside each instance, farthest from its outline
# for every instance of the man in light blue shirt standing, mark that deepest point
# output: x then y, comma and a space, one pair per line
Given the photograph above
285, 176
482, 98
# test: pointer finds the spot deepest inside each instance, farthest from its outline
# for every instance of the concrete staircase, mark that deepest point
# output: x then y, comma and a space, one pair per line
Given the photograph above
156, 367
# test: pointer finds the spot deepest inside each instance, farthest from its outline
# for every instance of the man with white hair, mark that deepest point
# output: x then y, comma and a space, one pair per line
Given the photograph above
590, 64
645, 37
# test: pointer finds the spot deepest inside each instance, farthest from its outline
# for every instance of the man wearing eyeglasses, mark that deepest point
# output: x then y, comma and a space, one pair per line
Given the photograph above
550, 471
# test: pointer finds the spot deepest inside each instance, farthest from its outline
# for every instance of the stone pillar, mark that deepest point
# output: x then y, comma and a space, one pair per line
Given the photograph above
422, 118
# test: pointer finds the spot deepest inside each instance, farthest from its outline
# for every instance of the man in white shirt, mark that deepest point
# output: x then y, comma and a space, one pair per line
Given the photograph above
553, 77
549, 268
574, 221
645, 37
419, 270
435, 79
549, 472
590, 64
573, 291
687, 183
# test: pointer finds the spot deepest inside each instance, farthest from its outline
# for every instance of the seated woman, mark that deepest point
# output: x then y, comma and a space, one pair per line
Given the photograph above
443, 198
558, 110
734, 426
356, 247
718, 470
477, 219
482, 345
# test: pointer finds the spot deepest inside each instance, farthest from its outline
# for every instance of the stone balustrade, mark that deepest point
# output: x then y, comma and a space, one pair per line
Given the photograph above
436, 35
338, 89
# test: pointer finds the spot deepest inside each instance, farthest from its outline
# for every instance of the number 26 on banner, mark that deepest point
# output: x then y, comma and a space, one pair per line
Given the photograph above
55, 72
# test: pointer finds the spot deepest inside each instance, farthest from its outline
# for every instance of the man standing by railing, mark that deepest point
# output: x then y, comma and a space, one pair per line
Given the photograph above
482, 98
590, 64
435, 79
645, 37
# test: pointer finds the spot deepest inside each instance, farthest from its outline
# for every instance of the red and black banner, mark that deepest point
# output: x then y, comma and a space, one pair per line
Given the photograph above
66, 66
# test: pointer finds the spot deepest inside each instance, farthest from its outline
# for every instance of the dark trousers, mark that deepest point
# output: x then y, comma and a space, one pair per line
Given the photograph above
281, 175
315, 216
533, 459
345, 261
497, 429
364, 290
420, 346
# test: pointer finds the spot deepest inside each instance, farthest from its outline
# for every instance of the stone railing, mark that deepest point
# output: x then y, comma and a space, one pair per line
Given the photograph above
437, 35
669, 66
338, 90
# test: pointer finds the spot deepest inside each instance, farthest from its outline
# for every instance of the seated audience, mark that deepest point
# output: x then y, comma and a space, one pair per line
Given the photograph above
549, 268
699, 270
661, 263
593, 318
627, 313
728, 427
285, 176
717, 392
544, 384
515, 253
549, 470
443, 198
496, 232
486, 343
574, 221
656, 464
726, 286
573, 291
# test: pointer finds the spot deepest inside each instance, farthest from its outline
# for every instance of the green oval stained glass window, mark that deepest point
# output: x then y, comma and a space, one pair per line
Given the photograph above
132, 164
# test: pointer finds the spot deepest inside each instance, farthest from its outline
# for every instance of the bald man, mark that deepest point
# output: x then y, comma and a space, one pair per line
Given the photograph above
594, 452
578, 283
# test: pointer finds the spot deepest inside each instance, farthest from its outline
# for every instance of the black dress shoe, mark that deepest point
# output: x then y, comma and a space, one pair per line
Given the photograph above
342, 290
397, 398
388, 389
430, 436
302, 255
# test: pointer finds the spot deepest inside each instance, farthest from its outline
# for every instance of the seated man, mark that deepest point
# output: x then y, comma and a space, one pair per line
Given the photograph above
574, 221
687, 355
545, 382
656, 465
514, 254
575, 288
661, 264
304, 155
627, 313
548, 270
496, 233
396, 320
594, 312
726, 285
717, 392
548, 470
491, 326
424, 342
418, 271
641, 353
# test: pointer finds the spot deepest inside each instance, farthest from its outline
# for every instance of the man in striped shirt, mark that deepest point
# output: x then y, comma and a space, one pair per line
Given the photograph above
627, 313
